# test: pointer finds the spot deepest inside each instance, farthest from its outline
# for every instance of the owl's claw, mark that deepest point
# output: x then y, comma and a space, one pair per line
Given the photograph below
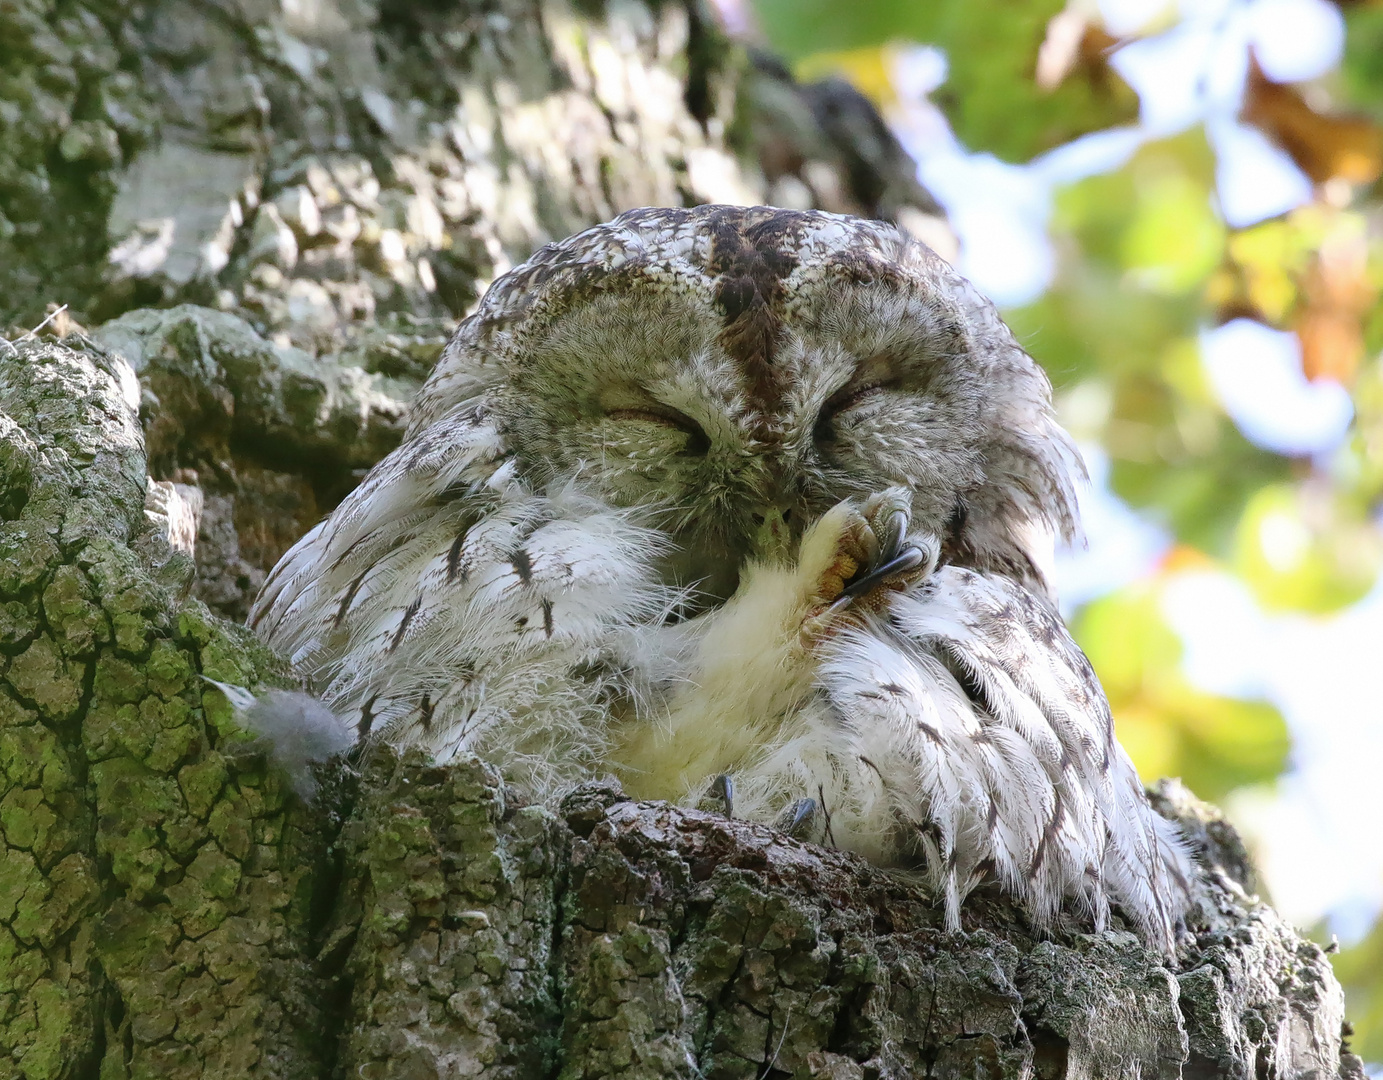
797, 819
889, 513
722, 789
904, 563
869, 555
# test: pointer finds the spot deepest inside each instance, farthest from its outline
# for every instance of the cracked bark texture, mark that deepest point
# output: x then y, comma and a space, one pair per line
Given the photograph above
169, 909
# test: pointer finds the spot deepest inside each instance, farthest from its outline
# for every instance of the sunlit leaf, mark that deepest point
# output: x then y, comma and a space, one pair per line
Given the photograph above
1300, 549
1259, 279
1174, 239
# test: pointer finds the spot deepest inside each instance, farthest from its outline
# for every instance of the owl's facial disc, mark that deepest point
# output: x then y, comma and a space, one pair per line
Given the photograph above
715, 366
752, 481
640, 397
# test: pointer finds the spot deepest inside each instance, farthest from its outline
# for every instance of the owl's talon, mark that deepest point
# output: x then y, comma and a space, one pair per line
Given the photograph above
723, 789
889, 513
857, 556
901, 565
797, 820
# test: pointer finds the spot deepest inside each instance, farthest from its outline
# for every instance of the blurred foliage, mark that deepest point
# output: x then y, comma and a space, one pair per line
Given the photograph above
1216, 744
1146, 265
992, 46
1361, 72
1358, 968
1303, 550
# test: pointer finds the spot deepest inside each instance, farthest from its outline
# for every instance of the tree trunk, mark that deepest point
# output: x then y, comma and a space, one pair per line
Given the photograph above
334, 183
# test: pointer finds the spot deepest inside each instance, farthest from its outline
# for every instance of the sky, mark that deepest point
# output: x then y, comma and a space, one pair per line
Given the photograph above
1314, 834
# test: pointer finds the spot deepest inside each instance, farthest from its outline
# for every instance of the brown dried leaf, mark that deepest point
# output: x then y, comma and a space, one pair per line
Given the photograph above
1072, 42
1324, 147
1337, 294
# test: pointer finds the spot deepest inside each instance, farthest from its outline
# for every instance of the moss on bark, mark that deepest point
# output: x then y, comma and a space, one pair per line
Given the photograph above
168, 908
156, 884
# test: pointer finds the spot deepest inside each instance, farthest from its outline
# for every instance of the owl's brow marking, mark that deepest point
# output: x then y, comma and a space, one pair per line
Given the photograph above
522, 563
751, 260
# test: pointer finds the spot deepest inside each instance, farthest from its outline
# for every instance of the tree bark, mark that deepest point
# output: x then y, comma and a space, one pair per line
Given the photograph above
311, 196
170, 908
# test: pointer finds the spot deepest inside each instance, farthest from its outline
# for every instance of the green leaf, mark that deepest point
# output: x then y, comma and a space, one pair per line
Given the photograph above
1301, 550
990, 97
1174, 240
1170, 728
1360, 78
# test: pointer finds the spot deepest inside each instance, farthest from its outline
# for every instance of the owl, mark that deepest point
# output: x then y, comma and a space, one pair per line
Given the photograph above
747, 507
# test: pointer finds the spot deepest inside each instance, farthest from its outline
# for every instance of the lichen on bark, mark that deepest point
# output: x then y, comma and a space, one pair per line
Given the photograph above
156, 884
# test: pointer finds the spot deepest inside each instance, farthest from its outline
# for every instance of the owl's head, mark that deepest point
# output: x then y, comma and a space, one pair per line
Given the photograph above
717, 365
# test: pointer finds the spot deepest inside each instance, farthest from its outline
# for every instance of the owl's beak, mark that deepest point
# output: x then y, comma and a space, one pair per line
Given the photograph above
773, 537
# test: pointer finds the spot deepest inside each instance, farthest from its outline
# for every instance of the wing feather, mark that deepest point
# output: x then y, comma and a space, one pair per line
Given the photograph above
994, 739
446, 604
